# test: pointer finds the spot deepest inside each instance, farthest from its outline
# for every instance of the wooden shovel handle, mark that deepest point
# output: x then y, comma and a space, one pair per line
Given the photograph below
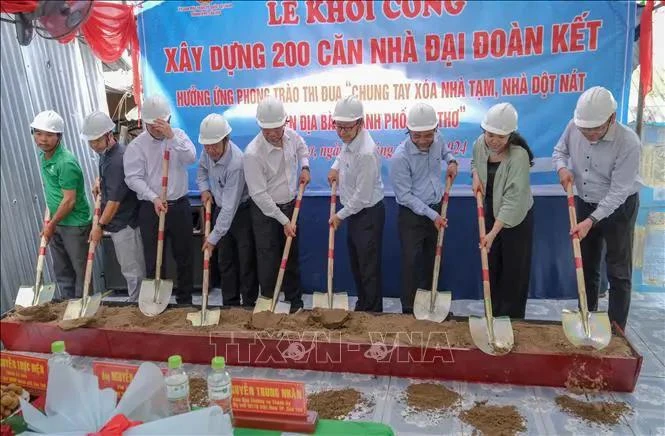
162, 215
91, 248
439, 241
41, 255
577, 251
487, 295
206, 256
331, 237
287, 249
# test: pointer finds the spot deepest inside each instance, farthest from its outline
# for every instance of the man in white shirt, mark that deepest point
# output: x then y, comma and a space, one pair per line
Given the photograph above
271, 163
602, 158
143, 174
358, 169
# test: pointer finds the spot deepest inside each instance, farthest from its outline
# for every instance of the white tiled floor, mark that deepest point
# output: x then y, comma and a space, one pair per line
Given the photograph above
646, 330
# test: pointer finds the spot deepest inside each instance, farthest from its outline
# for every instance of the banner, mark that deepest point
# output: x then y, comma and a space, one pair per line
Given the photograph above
461, 57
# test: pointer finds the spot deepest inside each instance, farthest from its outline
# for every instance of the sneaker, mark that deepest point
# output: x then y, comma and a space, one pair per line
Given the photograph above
603, 294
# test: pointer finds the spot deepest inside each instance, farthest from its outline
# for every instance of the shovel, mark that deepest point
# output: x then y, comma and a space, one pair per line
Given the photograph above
156, 294
492, 335
204, 316
264, 304
583, 328
433, 305
39, 293
88, 305
331, 300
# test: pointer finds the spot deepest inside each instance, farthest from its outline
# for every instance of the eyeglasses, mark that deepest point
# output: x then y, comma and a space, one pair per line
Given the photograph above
345, 128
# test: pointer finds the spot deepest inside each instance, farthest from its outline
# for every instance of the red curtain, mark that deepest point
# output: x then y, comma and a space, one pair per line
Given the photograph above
109, 30
18, 6
646, 49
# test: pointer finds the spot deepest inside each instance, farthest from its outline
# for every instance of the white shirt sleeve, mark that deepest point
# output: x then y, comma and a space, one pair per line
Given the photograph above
302, 151
182, 147
362, 195
135, 175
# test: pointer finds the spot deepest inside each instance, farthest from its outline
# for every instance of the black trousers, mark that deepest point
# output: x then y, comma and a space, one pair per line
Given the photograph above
178, 230
365, 242
617, 230
417, 236
270, 240
236, 255
510, 265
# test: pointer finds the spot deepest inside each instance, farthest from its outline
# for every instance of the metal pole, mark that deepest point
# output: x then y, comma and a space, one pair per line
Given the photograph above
640, 111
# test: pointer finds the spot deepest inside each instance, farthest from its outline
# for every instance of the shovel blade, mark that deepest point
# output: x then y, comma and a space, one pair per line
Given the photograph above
263, 304
199, 319
91, 305
26, 295
82, 307
496, 345
321, 300
73, 309
600, 330
154, 296
422, 307
341, 301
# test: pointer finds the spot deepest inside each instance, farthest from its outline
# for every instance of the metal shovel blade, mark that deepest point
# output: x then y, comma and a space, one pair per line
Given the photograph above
26, 295
200, 318
341, 301
82, 307
600, 331
320, 300
502, 341
155, 296
422, 305
264, 304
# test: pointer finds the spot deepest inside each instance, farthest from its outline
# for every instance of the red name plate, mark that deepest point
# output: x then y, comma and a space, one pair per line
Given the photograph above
269, 397
116, 376
31, 373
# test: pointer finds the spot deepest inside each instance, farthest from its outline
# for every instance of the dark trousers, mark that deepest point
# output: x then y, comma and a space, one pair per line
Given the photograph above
617, 231
69, 250
178, 230
365, 242
270, 240
417, 236
237, 260
510, 265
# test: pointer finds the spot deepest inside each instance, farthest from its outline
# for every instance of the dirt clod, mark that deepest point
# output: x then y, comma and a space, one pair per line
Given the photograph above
39, 313
265, 321
334, 404
494, 420
329, 318
198, 392
431, 396
607, 413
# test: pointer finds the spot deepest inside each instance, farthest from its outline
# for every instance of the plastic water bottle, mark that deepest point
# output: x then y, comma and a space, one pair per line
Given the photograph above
219, 385
59, 355
177, 386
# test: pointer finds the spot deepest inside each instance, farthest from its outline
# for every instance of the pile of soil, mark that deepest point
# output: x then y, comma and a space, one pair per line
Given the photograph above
336, 404
494, 420
606, 413
431, 396
355, 327
198, 392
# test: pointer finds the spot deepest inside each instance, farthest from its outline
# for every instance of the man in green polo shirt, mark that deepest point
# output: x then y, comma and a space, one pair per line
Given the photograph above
67, 231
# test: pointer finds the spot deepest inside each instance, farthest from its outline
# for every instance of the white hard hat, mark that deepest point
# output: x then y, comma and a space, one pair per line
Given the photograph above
594, 107
421, 118
270, 113
213, 129
96, 125
501, 119
155, 107
48, 121
348, 109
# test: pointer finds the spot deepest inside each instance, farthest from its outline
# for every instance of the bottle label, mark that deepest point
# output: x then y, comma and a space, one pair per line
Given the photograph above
219, 392
175, 392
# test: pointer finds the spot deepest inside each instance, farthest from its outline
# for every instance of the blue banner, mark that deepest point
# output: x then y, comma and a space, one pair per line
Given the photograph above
460, 57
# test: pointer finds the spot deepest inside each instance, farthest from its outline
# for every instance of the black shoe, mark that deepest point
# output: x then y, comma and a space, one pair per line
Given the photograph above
296, 307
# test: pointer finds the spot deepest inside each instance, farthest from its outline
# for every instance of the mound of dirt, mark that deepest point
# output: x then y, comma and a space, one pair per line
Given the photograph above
604, 413
431, 396
494, 420
334, 404
329, 318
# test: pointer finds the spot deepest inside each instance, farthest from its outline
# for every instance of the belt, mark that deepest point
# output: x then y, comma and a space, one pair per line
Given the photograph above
183, 198
286, 206
435, 206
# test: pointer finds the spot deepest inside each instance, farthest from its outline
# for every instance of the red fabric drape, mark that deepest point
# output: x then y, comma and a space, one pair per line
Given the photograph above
646, 48
109, 30
18, 6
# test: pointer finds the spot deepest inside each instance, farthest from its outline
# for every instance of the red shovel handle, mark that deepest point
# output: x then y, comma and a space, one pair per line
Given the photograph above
577, 251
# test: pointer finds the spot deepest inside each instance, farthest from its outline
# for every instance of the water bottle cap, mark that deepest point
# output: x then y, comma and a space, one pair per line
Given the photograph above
217, 362
175, 362
58, 347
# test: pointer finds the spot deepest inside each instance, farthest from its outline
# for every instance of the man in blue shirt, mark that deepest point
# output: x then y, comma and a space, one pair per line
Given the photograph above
220, 178
415, 171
